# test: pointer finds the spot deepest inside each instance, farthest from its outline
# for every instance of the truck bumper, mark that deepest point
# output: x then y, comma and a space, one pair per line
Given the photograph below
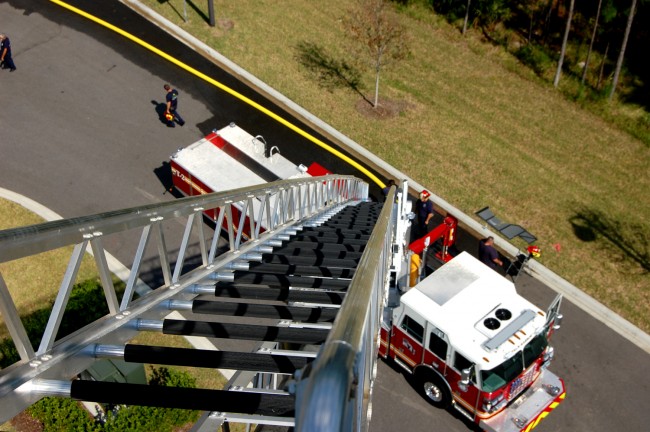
525, 412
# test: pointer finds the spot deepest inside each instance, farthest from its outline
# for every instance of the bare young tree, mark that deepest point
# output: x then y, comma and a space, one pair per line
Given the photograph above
378, 35
591, 43
469, 2
621, 54
556, 81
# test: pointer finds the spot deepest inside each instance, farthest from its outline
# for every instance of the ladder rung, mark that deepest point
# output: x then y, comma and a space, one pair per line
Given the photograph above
256, 362
184, 398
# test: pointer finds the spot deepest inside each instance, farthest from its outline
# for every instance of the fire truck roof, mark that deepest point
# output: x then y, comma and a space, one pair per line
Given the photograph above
478, 309
232, 158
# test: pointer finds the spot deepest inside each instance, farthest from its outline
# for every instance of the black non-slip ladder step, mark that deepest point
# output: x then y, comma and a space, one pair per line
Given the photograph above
335, 254
356, 218
256, 362
279, 280
326, 240
331, 230
329, 236
245, 331
325, 246
359, 213
310, 260
300, 270
352, 227
184, 398
251, 310
266, 292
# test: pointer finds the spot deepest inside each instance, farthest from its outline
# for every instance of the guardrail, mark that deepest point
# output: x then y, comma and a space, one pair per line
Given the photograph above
279, 205
334, 394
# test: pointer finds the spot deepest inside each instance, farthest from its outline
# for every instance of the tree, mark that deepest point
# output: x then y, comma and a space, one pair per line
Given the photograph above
492, 12
591, 44
469, 2
621, 54
532, 8
556, 81
380, 37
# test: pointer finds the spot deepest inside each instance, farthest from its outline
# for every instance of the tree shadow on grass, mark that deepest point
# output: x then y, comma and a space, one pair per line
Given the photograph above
198, 11
331, 73
629, 238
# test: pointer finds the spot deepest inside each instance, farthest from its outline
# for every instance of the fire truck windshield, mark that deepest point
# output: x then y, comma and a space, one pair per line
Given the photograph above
510, 369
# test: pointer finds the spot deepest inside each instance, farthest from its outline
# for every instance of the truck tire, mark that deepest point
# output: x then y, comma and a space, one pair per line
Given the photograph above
434, 389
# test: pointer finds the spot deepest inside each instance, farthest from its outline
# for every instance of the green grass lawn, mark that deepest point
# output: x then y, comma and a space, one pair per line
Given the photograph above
479, 129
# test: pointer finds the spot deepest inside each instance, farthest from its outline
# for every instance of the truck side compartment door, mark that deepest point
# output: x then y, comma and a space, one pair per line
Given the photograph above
407, 339
437, 349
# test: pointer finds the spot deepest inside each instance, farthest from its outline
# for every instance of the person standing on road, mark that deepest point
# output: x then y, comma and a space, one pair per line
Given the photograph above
171, 114
6, 60
487, 254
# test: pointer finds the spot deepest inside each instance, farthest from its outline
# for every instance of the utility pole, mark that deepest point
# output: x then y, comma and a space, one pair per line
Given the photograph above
211, 12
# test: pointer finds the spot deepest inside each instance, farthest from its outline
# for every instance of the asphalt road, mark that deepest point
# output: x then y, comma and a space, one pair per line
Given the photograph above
79, 133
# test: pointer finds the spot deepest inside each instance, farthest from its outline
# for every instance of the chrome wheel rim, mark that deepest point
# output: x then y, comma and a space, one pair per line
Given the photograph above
432, 391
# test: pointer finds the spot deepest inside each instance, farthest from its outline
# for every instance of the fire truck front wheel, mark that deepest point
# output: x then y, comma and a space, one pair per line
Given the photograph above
434, 389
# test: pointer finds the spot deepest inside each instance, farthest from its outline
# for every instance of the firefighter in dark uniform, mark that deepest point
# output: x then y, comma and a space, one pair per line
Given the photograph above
171, 113
6, 60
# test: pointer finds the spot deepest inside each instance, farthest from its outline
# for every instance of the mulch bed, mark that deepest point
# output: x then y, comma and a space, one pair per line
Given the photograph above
24, 422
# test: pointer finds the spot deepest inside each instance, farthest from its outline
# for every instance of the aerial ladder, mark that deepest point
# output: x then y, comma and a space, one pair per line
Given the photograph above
307, 291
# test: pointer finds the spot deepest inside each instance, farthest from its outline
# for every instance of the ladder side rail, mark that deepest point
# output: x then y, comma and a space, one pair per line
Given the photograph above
25, 241
333, 393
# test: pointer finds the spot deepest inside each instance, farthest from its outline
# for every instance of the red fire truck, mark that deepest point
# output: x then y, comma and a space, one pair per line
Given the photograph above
231, 158
467, 339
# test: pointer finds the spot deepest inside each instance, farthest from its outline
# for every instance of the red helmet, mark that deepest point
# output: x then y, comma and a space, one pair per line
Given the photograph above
535, 251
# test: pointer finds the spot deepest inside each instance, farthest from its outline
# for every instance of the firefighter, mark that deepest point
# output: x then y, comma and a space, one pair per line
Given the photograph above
6, 60
423, 213
487, 254
171, 113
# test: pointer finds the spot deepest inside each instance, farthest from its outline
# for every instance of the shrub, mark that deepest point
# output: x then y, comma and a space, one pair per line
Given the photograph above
58, 414
534, 57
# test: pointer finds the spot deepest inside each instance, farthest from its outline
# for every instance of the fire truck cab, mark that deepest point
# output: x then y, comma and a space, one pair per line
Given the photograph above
470, 341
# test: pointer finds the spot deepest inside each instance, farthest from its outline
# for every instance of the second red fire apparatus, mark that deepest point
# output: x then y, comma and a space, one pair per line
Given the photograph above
468, 340
231, 158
